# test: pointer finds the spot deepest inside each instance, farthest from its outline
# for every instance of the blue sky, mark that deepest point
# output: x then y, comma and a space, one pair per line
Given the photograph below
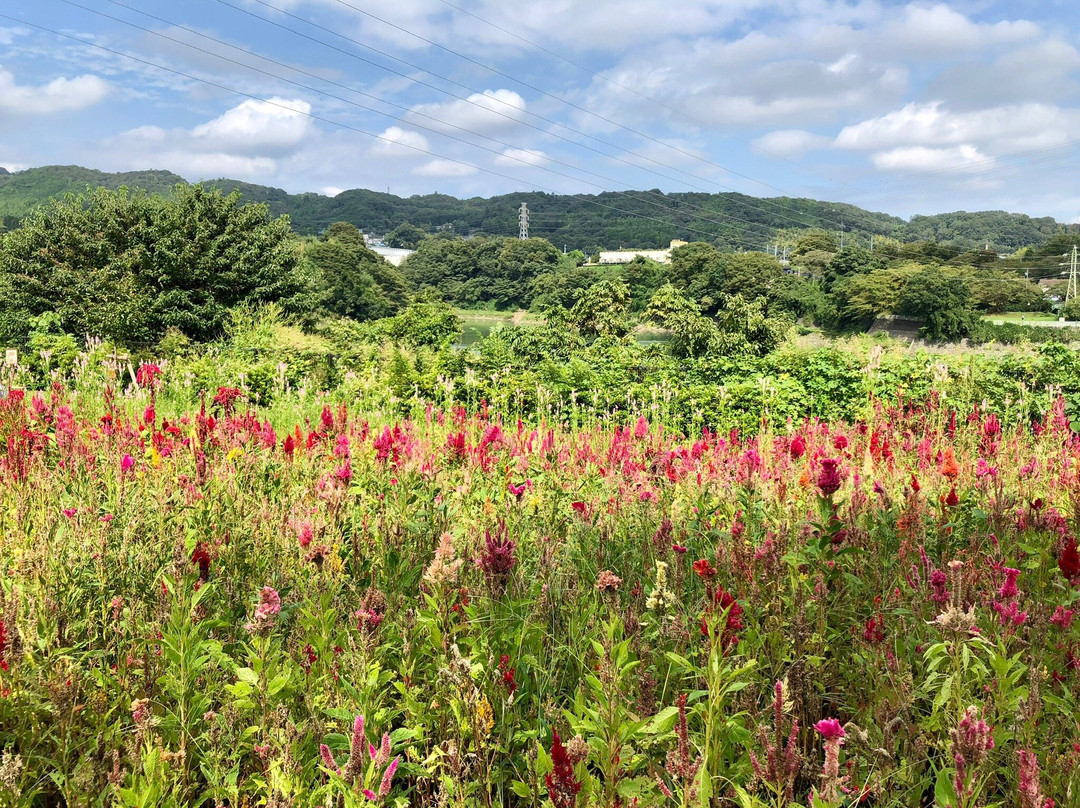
899, 107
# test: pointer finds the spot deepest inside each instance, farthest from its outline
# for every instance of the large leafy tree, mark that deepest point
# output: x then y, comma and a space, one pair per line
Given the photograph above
354, 281
210, 253
87, 260
126, 266
942, 301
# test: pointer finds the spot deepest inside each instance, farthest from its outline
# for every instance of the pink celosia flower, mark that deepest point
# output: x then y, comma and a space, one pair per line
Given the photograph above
126, 462
1028, 787
268, 608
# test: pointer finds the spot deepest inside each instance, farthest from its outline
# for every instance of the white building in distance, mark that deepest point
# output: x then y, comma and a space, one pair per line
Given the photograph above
626, 256
395, 255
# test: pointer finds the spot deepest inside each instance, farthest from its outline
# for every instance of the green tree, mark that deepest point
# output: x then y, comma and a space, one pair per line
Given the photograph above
1071, 310
942, 302
356, 282
811, 240
86, 259
127, 267
210, 253
405, 236
603, 311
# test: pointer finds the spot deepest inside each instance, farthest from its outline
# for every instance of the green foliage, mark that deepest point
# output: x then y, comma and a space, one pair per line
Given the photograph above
354, 281
127, 267
1070, 310
478, 272
405, 236
603, 310
943, 303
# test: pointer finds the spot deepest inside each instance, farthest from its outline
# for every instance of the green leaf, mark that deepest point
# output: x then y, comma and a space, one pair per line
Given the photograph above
248, 675
944, 793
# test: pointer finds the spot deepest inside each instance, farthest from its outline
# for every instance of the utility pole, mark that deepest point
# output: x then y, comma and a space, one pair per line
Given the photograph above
523, 222
1070, 293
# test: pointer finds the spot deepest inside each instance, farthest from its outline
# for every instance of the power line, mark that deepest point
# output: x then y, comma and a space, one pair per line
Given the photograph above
628, 89
501, 102
764, 228
330, 121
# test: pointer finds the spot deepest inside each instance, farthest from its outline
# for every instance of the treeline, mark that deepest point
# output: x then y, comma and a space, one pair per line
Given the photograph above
632, 219
138, 269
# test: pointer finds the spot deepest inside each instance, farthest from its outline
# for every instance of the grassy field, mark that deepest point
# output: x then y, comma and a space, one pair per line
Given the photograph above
1027, 317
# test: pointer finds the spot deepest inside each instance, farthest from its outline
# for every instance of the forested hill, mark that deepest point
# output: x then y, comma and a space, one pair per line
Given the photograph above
588, 222
22, 190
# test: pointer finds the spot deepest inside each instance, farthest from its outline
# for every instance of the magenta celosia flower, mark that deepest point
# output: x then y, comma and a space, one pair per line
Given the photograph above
126, 462
1063, 617
830, 729
497, 559
830, 479
1008, 589
833, 734
798, 447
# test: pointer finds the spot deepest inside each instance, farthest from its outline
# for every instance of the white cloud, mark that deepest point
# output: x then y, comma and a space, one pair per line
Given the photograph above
398, 142
922, 158
276, 126
212, 165
940, 30
443, 168
14, 167
519, 157
1008, 128
487, 112
8, 35
58, 95
332, 191
791, 142
248, 141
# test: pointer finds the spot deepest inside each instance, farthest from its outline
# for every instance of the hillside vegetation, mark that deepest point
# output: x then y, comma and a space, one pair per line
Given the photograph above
582, 221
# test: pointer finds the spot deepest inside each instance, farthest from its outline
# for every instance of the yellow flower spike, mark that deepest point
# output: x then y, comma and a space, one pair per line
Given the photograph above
234, 453
486, 715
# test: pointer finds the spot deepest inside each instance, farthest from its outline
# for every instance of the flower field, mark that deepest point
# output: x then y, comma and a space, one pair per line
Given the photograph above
322, 605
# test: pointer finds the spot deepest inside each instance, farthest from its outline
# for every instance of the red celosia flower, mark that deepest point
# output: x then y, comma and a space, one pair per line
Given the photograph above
507, 674
147, 374
873, 631
1069, 562
201, 556
952, 500
704, 570
725, 602
226, 397
562, 786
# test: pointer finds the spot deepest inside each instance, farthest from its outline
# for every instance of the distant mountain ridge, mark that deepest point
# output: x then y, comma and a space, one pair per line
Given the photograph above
632, 219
